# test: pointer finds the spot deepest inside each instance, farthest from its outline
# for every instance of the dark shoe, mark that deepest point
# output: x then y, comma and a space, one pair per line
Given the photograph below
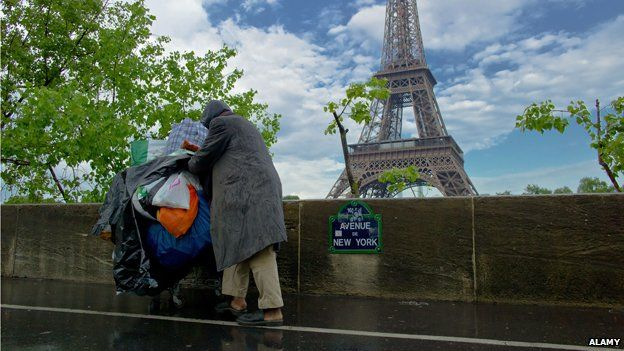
225, 306
257, 318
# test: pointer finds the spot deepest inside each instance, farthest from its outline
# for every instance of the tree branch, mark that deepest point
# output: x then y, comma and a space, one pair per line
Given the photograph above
58, 183
10, 113
607, 169
16, 161
345, 107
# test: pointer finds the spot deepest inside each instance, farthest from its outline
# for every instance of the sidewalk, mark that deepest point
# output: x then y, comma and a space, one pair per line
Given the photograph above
40, 314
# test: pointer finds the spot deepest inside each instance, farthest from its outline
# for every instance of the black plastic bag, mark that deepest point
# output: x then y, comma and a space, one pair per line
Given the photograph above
133, 270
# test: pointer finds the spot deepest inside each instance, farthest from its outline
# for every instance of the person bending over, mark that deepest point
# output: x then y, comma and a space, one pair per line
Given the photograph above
247, 218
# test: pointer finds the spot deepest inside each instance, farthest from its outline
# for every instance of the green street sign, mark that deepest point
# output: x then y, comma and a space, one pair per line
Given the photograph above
355, 230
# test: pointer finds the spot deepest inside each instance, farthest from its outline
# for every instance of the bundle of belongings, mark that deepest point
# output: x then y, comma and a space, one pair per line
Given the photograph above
158, 217
192, 132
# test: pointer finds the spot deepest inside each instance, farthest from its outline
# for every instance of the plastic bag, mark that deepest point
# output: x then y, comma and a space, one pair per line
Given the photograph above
176, 253
174, 192
141, 199
177, 221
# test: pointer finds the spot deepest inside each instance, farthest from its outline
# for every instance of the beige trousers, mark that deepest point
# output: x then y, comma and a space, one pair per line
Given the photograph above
263, 265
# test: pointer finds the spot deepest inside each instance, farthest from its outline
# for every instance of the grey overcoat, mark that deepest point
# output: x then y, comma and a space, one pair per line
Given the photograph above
246, 210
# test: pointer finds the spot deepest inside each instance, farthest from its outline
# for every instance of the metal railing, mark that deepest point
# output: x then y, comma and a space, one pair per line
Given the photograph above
402, 144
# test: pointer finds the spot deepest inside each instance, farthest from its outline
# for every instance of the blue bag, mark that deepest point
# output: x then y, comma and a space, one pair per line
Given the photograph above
175, 253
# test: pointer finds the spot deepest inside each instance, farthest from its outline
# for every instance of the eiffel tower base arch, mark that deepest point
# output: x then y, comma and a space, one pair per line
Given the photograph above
438, 160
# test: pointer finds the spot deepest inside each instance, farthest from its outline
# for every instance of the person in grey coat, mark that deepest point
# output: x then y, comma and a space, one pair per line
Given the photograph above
247, 218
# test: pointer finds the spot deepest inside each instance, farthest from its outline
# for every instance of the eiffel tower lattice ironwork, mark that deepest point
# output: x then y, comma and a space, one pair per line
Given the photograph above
436, 155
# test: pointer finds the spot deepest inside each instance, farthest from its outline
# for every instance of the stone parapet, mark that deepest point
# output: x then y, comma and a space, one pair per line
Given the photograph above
566, 249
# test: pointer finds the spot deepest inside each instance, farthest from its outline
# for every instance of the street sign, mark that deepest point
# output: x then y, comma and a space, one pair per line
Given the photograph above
355, 229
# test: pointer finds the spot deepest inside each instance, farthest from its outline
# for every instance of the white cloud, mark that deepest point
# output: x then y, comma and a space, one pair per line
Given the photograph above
365, 28
178, 19
455, 24
448, 25
308, 179
481, 104
257, 5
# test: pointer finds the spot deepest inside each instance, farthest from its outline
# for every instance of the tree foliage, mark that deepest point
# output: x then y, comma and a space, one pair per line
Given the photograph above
606, 133
398, 179
586, 185
563, 190
594, 185
355, 106
534, 189
82, 78
14, 200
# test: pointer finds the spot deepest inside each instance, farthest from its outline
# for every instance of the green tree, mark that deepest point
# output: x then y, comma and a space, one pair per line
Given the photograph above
397, 179
606, 133
534, 189
82, 78
290, 197
355, 106
563, 190
27, 200
506, 192
593, 185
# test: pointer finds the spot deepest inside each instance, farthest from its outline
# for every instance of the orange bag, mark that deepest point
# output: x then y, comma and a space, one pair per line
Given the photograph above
177, 221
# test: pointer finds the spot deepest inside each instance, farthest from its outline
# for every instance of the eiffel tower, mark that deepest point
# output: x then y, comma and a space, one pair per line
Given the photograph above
436, 155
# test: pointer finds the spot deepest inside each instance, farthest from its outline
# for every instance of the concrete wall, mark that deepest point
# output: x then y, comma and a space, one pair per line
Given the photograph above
524, 249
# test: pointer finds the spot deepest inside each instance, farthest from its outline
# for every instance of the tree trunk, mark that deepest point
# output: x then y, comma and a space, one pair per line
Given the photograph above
355, 191
602, 163
605, 166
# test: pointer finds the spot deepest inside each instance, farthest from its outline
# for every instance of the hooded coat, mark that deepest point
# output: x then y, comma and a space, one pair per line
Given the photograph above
235, 164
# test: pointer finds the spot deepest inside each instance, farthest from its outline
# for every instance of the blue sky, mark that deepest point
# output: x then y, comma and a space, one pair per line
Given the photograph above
491, 58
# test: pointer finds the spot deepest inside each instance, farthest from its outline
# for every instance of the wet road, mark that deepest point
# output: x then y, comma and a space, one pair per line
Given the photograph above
52, 315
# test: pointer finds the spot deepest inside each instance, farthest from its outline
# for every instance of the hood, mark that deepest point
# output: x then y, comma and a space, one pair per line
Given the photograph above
212, 110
